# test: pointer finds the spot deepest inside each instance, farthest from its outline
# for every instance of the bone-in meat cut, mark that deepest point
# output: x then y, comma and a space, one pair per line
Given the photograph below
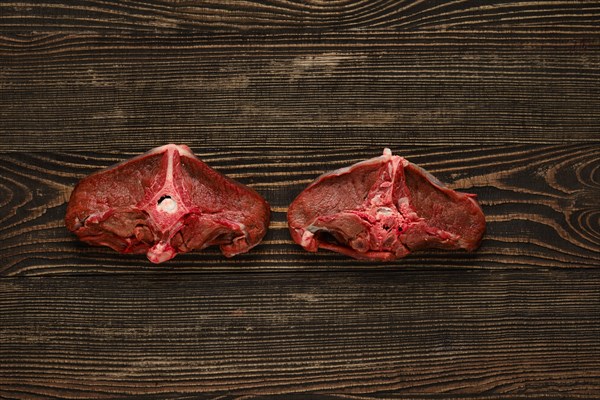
165, 202
383, 209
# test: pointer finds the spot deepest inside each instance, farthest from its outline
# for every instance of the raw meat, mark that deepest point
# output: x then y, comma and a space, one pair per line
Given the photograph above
383, 209
166, 202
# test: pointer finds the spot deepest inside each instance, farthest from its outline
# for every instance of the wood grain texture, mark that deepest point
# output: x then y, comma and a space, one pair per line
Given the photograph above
541, 205
281, 15
90, 91
421, 333
497, 98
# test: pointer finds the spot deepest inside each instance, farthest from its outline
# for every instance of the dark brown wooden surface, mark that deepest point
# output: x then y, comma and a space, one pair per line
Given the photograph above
501, 99
422, 332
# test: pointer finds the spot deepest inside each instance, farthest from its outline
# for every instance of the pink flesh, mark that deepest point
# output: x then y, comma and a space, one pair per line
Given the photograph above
166, 202
383, 209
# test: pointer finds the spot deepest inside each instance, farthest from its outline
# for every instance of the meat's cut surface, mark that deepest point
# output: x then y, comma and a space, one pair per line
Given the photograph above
383, 209
165, 202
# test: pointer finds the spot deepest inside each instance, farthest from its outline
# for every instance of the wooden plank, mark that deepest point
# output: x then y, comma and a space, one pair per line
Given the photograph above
422, 332
541, 205
273, 16
366, 88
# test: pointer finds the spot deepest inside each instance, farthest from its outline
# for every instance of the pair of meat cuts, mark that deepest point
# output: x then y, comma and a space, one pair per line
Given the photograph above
167, 201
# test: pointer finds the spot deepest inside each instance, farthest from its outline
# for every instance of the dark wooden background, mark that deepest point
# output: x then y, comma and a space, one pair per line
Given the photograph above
497, 98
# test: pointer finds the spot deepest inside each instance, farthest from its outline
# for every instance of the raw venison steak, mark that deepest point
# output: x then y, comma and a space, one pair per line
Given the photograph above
166, 202
383, 209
